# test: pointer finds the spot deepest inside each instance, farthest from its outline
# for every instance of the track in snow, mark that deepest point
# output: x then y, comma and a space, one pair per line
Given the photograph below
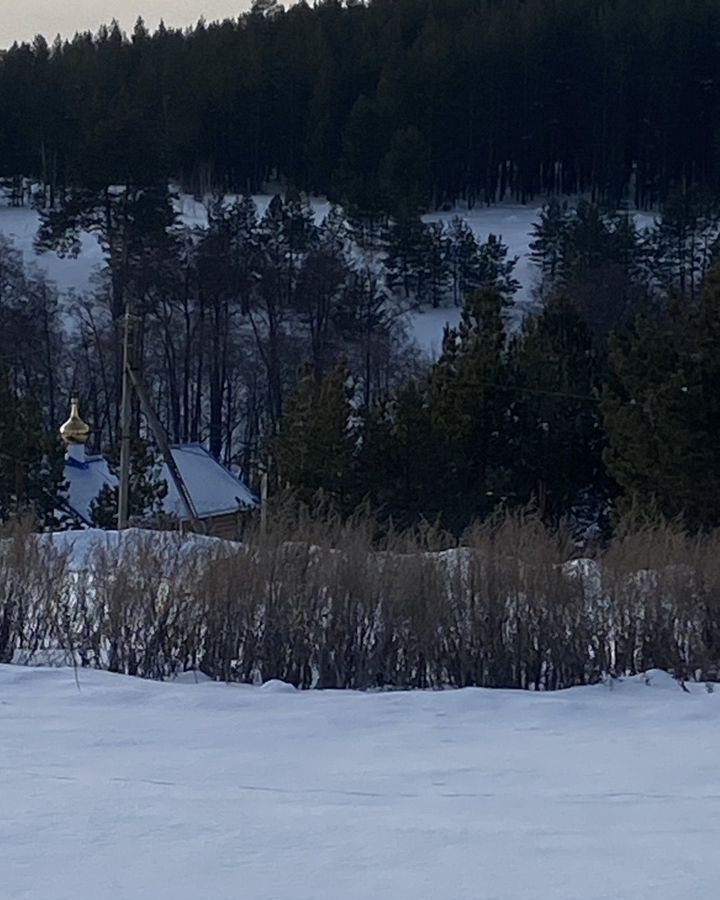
133, 790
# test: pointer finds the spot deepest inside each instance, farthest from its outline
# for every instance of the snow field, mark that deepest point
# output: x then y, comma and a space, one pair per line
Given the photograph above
135, 790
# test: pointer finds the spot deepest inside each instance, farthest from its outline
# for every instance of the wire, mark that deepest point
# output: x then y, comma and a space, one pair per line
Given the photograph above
540, 391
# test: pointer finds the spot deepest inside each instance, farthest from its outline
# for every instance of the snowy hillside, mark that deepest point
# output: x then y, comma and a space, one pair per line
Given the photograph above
426, 328
512, 223
20, 225
135, 790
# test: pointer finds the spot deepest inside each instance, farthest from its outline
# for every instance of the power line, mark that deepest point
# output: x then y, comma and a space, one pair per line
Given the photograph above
585, 398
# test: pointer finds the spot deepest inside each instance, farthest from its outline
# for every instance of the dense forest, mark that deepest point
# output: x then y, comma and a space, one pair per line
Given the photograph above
279, 339
381, 103
279, 336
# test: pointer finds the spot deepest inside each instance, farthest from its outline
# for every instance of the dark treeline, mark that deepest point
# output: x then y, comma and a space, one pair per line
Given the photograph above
603, 404
379, 105
280, 338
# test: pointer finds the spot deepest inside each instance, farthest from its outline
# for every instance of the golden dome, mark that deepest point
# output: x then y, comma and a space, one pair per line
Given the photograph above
75, 431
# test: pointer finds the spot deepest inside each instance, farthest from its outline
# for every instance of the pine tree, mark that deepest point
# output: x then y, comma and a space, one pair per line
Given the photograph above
363, 318
375, 464
547, 249
681, 246
556, 436
463, 253
406, 173
469, 403
398, 458
286, 233
322, 280
434, 284
493, 268
128, 222
147, 489
405, 258
356, 179
31, 463
661, 415
313, 449
595, 258
418, 452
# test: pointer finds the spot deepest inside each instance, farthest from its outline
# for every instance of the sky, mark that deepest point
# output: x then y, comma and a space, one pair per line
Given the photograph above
23, 19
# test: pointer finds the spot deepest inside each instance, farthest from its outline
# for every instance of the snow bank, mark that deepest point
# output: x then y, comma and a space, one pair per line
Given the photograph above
81, 544
135, 790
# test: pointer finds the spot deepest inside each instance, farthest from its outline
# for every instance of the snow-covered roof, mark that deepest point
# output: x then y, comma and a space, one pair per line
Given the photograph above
85, 481
214, 489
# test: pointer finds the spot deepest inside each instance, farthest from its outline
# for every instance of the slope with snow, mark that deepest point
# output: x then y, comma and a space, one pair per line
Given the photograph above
513, 223
131, 790
69, 273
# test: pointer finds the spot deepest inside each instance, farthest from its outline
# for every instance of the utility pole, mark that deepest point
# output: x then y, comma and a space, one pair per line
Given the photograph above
263, 501
125, 424
131, 380
164, 445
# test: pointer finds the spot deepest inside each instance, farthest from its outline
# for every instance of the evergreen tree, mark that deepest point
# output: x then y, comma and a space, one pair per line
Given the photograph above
419, 452
314, 446
463, 254
547, 249
405, 262
227, 260
147, 488
494, 269
662, 415
398, 461
435, 273
681, 245
593, 257
128, 222
356, 179
286, 233
556, 438
376, 464
474, 265
31, 463
469, 410
357, 99
363, 318
405, 173
322, 280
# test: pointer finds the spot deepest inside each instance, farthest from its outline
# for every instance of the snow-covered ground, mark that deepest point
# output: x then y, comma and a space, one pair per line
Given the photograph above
83, 544
130, 790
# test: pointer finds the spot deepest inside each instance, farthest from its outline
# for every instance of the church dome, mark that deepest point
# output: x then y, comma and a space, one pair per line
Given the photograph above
75, 431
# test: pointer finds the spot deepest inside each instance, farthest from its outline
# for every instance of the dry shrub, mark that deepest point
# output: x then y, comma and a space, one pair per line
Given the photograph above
663, 587
34, 588
530, 626
135, 608
321, 602
318, 604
